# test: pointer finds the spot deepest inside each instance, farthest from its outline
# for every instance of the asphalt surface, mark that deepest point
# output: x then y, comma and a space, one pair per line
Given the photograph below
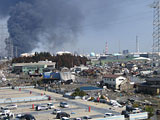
82, 106
79, 106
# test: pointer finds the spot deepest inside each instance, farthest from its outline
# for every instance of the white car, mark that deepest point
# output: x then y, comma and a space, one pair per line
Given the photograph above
65, 118
42, 107
10, 107
77, 119
55, 111
4, 111
137, 110
108, 114
86, 117
64, 105
50, 105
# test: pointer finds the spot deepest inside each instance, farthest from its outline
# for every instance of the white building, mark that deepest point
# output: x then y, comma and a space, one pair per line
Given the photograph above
27, 54
113, 81
63, 52
67, 76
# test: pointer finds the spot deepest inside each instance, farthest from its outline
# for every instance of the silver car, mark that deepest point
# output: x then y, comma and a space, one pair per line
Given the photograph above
55, 111
10, 107
42, 107
64, 105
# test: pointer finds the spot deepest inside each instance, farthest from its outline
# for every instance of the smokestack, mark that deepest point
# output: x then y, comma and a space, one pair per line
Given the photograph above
106, 48
119, 46
137, 44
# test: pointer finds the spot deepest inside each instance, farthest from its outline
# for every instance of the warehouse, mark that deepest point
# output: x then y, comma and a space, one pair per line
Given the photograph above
32, 68
151, 86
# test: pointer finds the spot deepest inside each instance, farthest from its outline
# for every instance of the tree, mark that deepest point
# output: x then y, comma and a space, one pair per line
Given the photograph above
65, 60
150, 111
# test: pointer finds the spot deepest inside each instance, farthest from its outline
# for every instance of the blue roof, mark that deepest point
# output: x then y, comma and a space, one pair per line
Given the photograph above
90, 88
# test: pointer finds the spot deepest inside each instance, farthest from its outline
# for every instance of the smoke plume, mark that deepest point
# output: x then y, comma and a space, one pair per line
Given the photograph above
41, 24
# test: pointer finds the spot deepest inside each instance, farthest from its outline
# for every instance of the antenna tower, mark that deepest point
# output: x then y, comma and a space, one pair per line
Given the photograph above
156, 26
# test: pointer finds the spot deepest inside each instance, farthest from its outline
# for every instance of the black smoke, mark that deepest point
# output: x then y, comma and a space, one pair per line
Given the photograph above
41, 24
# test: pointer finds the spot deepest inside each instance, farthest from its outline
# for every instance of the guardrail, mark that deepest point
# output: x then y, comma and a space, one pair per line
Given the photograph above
16, 87
2, 88
24, 87
23, 99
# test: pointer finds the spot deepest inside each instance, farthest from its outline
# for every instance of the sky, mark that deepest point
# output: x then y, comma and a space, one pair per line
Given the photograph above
116, 21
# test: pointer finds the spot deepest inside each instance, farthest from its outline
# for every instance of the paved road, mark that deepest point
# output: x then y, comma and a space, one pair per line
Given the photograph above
64, 110
29, 106
68, 110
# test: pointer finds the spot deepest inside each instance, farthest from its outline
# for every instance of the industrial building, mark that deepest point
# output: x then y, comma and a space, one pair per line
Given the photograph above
151, 86
33, 68
63, 76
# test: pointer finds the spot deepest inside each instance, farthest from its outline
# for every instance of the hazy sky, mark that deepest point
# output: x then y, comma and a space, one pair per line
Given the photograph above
114, 21
120, 21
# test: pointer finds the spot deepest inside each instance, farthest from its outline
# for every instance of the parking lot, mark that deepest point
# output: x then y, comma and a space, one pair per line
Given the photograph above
10, 93
77, 108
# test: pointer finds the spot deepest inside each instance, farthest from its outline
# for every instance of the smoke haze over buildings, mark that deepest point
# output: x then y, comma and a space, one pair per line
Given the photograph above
41, 24
51, 25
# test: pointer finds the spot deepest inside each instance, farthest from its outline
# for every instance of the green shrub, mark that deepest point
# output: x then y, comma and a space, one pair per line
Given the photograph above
135, 105
78, 92
150, 111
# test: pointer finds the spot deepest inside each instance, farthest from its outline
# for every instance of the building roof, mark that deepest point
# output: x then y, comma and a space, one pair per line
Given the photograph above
111, 76
142, 58
153, 79
149, 86
88, 88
